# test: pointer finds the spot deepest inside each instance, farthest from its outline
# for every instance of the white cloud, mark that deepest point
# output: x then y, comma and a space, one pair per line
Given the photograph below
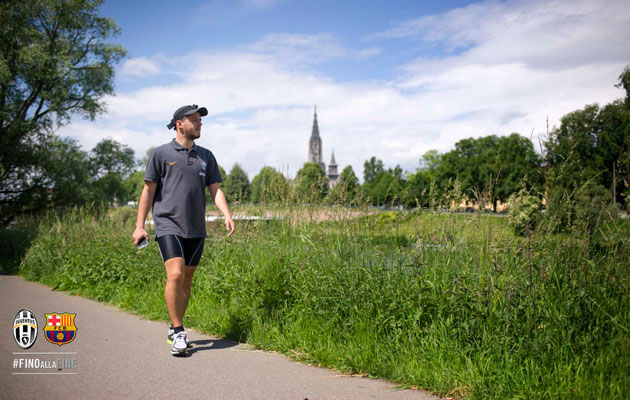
88, 134
517, 63
140, 67
307, 50
537, 33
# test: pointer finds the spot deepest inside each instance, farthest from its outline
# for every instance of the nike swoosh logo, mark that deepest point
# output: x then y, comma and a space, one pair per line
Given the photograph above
171, 163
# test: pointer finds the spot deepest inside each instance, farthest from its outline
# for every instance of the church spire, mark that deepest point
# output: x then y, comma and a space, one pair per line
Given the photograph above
315, 144
315, 131
332, 159
333, 175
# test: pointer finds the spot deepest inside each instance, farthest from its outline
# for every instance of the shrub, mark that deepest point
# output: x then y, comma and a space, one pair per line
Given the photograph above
123, 215
581, 211
524, 210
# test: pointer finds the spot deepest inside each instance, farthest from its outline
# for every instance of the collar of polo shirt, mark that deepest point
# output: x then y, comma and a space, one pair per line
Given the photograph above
178, 146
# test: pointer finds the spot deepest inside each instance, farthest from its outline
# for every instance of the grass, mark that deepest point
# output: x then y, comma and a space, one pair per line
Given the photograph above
454, 304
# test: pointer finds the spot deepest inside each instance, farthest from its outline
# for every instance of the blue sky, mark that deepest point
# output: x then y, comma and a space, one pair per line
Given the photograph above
390, 79
151, 27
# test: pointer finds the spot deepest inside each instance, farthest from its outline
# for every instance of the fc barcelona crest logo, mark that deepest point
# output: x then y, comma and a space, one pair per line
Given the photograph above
60, 328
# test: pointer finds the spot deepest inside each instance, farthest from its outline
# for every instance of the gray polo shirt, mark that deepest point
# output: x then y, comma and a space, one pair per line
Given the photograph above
182, 176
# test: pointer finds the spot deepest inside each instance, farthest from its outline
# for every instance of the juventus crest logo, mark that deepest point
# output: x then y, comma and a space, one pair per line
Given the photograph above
25, 328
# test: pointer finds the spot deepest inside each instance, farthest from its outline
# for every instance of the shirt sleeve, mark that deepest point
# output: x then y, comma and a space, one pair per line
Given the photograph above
153, 172
213, 175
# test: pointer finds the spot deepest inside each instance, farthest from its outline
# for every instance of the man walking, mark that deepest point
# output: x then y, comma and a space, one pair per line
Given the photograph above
175, 180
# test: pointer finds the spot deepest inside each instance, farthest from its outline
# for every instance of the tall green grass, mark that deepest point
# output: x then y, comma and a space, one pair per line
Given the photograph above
450, 303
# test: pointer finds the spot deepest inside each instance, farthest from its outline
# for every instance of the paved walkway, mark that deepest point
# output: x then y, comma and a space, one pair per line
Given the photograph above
122, 356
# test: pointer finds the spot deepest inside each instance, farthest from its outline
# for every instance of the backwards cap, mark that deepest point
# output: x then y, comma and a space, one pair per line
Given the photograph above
183, 111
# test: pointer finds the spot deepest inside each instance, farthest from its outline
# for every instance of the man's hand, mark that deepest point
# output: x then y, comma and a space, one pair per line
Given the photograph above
140, 233
229, 226
144, 205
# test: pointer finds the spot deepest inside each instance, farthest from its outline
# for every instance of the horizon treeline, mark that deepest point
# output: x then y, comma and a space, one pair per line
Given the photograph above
587, 154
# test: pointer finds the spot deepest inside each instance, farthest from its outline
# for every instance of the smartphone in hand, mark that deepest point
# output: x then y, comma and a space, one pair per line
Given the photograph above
142, 243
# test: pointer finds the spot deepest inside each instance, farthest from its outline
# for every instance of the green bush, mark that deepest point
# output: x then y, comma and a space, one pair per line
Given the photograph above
581, 211
123, 215
523, 214
385, 218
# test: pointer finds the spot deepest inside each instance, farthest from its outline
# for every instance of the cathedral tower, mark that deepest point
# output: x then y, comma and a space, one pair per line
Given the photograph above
315, 145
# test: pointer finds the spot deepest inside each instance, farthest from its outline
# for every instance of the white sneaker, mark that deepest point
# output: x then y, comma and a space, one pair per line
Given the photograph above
179, 343
171, 333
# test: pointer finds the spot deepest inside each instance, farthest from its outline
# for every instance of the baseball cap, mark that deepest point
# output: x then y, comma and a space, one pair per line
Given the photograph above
182, 111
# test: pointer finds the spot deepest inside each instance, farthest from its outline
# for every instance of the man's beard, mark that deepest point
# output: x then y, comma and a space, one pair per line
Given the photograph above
193, 134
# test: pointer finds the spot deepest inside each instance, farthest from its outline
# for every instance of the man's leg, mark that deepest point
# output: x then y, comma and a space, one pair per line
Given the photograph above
174, 293
193, 248
177, 289
188, 276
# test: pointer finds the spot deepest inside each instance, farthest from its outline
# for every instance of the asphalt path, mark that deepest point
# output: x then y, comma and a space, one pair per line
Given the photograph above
117, 355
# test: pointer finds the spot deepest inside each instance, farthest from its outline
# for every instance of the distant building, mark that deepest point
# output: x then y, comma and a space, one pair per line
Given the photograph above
315, 154
315, 145
333, 175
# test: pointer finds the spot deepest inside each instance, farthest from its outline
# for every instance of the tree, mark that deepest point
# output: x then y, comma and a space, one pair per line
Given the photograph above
236, 186
624, 82
430, 160
111, 157
142, 164
223, 173
54, 63
491, 166
588, 165
473, 162
592, 146
133, 185
383, 187
389, 189
570, 149
418, 188
64, 176
373, 171
349, 177
347, 190
109, 190
269, 186
312, 183
518, 167
372, 168
110, 164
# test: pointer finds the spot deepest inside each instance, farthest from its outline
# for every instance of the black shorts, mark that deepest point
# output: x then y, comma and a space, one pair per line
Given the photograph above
190, 249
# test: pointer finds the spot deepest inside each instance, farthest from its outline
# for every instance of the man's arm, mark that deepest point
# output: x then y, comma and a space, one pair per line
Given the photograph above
144, 205
219, 200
